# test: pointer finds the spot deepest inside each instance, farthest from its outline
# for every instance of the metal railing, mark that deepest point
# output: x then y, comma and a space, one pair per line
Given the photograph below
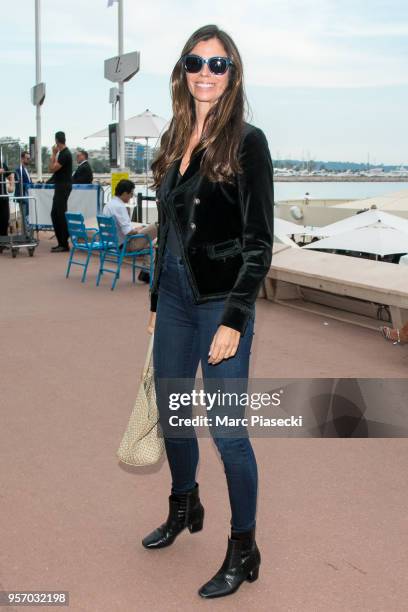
138, 210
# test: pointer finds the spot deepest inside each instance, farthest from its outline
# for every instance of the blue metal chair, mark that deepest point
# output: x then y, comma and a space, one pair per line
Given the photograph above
115, 253
80, 241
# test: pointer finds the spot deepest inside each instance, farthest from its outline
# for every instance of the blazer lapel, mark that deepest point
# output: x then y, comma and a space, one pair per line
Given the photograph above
169, 179
192, 168
169, 184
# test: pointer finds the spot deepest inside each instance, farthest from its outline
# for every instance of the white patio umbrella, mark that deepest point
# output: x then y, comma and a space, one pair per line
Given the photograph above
377, 239
365, 219
146, 125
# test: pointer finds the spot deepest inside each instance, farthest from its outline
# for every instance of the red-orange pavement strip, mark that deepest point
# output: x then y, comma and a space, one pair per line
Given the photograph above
332, 518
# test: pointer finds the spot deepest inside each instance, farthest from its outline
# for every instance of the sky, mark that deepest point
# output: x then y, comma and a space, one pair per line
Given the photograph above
325, 79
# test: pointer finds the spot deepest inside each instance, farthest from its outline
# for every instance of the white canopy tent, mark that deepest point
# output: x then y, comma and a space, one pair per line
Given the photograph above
376, 239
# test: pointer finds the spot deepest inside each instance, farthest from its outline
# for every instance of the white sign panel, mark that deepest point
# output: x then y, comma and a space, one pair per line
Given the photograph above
38, 94
122, 67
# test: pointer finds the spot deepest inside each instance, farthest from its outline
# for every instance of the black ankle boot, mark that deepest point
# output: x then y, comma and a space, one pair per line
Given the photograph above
241, 563
185, 510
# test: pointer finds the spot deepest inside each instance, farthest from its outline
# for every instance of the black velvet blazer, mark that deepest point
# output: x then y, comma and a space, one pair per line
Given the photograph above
225, 230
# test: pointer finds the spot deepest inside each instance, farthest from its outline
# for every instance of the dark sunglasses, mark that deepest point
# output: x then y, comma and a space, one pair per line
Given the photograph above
216, 65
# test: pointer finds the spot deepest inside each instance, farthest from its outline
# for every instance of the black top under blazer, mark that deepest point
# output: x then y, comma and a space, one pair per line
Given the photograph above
225, 230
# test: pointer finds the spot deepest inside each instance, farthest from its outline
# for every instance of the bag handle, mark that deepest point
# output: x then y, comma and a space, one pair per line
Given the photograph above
148, 355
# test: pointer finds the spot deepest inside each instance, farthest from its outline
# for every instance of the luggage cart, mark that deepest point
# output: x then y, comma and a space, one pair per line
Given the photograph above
25, 238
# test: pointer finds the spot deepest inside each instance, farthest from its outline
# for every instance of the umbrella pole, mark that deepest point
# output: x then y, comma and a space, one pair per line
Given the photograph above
147, 201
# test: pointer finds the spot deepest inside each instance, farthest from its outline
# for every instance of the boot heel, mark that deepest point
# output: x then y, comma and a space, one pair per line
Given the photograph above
195, 526
197, 520
253, 575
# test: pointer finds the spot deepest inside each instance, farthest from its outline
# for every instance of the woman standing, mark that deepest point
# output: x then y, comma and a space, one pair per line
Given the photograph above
214, 181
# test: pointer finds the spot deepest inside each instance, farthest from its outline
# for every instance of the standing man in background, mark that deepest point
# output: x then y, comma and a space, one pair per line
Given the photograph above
83, 175
61, 166
23, 179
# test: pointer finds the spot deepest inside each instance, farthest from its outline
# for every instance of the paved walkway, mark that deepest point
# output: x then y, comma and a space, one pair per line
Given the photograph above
332, 517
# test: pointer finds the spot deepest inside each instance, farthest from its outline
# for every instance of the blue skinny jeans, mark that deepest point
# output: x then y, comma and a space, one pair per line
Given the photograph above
183, 335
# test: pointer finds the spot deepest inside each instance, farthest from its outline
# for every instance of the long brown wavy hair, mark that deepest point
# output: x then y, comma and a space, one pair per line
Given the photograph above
223, 125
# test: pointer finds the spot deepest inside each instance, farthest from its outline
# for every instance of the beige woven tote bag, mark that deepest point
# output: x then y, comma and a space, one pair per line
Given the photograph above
142, 443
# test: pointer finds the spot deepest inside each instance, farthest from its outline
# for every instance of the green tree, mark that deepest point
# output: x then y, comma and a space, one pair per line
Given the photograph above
45, 158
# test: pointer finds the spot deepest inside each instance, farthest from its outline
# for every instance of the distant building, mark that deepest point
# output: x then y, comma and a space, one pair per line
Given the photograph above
375, 171
135, 155
102, 153
10, 148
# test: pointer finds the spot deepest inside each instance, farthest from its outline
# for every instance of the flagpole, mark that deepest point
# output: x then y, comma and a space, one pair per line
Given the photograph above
121, 86
38, 152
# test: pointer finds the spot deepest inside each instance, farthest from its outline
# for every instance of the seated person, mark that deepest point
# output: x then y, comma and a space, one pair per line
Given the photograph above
116, 208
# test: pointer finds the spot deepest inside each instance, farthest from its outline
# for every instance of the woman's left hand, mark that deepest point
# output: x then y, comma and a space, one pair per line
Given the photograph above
224, 344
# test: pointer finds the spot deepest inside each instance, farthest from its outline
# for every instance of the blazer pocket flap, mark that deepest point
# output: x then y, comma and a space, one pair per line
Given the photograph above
224, 249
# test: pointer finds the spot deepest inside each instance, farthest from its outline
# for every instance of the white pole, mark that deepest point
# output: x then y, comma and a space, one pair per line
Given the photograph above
38, 160
122, 155
146, 167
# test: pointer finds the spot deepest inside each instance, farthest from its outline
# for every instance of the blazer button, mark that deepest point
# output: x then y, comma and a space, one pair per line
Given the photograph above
196, 200
193, 226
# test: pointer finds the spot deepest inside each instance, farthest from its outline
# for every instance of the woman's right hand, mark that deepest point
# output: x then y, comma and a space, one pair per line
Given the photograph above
152, 322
